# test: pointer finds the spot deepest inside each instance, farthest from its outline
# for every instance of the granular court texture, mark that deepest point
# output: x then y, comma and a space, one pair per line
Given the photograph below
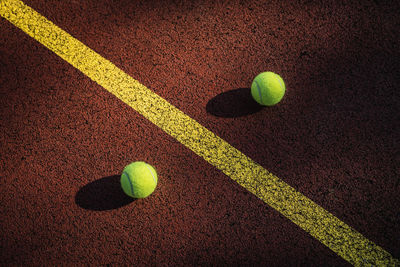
65, 139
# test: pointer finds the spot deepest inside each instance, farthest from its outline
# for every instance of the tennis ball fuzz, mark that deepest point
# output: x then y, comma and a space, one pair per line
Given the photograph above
139, 179
268, 88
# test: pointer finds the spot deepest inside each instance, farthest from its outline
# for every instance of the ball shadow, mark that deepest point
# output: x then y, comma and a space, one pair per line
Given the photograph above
103, 194
233, 103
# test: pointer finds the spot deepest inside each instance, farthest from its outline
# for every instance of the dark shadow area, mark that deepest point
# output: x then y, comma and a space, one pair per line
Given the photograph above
233, 103
103, 194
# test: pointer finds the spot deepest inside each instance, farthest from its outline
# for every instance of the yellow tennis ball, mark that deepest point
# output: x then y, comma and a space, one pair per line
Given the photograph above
268, 88
139, 179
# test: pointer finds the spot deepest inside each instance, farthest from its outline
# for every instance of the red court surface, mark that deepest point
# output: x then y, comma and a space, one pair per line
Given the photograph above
65, 140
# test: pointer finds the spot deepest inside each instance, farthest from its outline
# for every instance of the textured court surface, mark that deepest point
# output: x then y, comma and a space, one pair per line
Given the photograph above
333, 138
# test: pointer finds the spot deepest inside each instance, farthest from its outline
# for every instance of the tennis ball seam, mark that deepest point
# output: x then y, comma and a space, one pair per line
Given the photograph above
259, 91
280, 82
130, 182
152, 175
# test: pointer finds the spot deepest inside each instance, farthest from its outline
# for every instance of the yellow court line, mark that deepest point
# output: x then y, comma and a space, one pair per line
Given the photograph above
321, 224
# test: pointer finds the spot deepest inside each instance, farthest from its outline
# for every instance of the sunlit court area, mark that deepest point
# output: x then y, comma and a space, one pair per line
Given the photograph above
199, 133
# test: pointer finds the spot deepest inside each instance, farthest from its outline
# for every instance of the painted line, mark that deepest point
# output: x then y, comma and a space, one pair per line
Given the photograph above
321, 224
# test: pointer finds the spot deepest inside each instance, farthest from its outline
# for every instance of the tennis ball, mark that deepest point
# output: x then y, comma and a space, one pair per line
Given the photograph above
139, 179
268, 88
